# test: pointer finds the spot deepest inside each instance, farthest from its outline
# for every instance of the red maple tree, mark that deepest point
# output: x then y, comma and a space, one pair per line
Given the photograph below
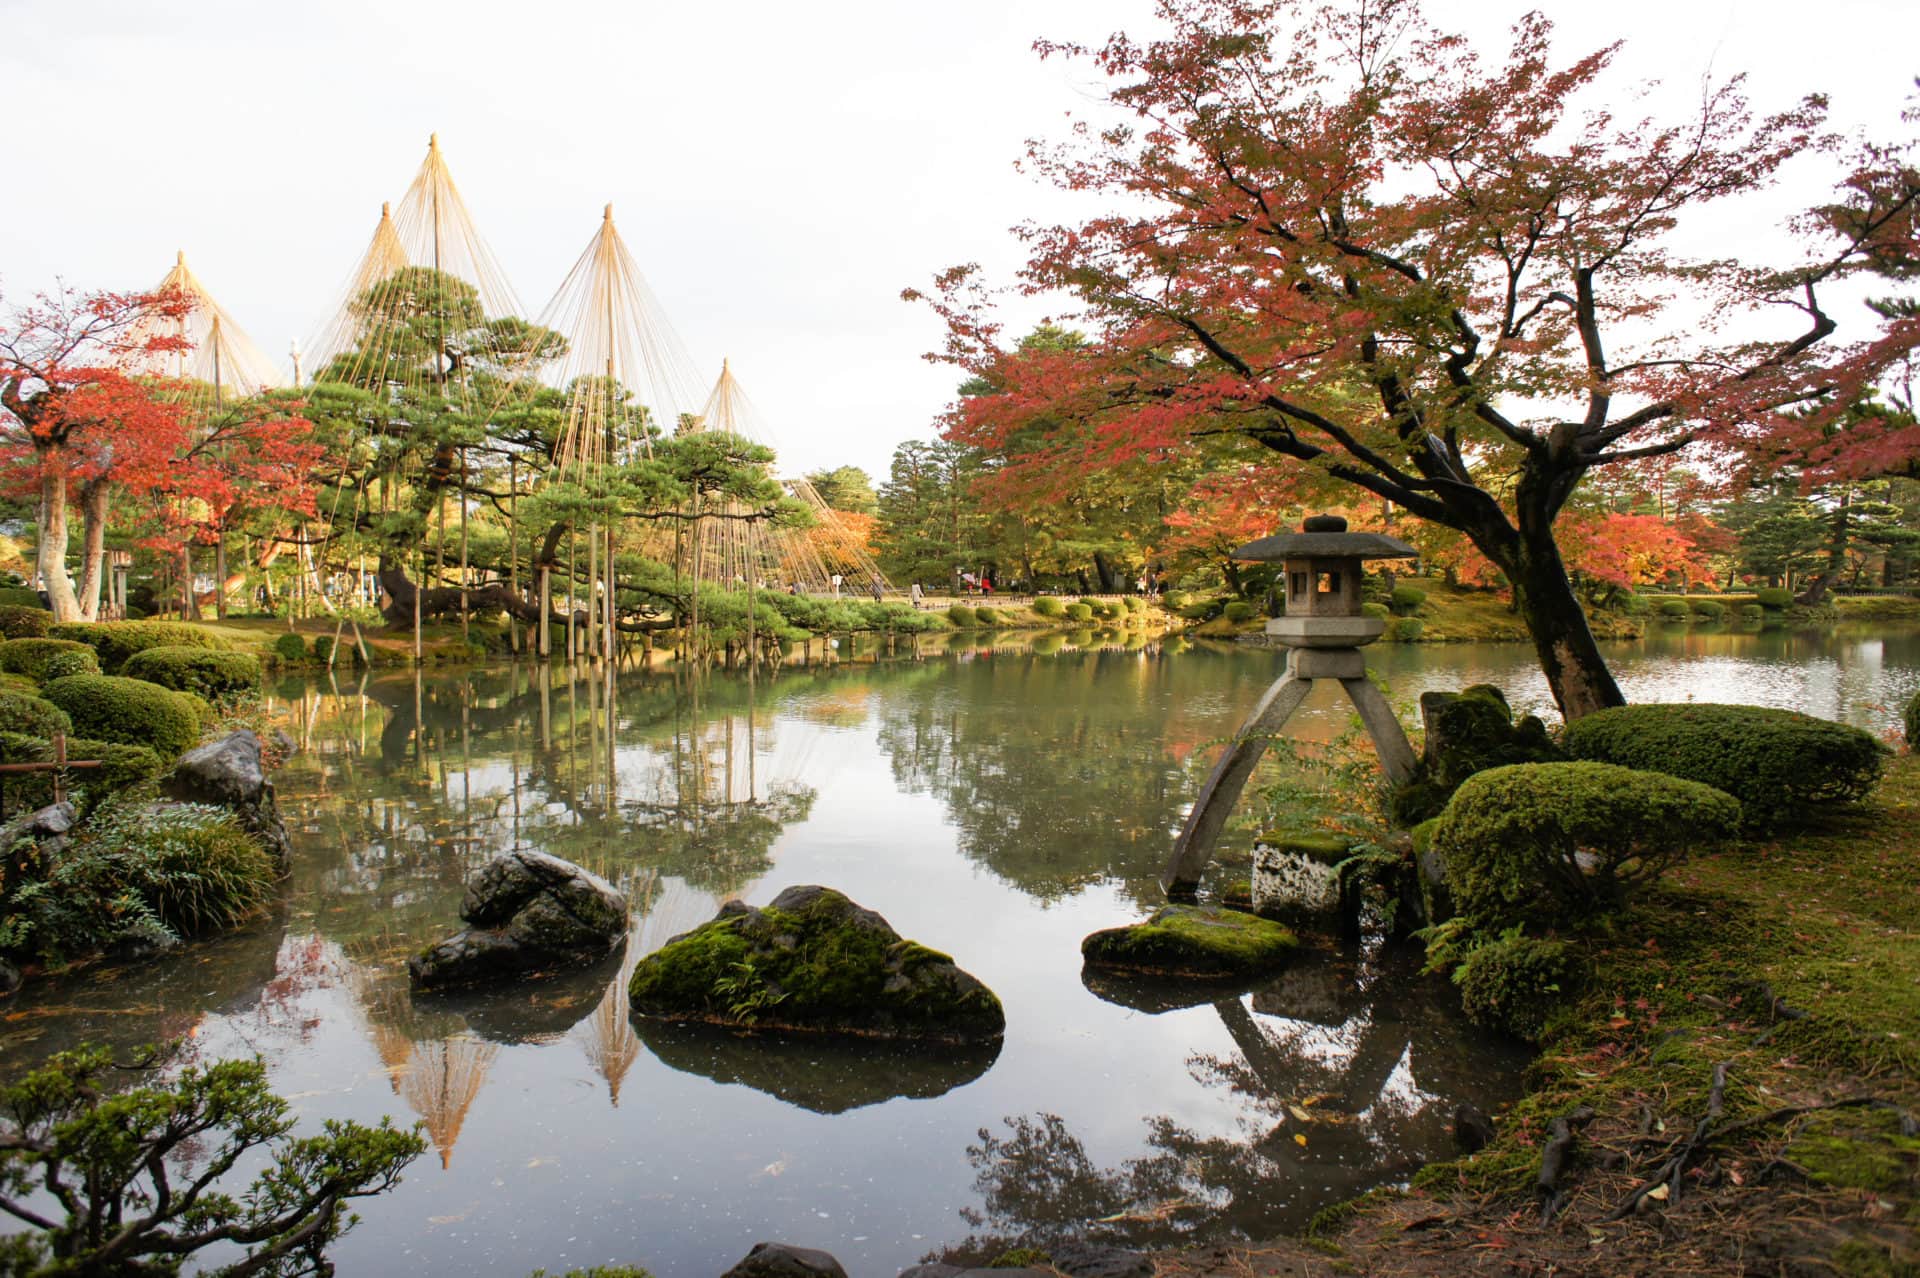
1336, 231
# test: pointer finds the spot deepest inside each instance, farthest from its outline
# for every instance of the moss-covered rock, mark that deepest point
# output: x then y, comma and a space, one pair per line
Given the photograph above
1467, 732
130, 711
1192, 941
812, 961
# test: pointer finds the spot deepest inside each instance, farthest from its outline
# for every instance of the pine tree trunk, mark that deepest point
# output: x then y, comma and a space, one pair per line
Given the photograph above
94, 497
1544, 596
51, 556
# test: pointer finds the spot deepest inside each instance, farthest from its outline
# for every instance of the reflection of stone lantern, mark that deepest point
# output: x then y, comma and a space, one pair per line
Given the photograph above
1324, 631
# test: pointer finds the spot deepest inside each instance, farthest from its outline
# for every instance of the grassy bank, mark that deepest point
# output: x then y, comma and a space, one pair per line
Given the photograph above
1450, 614
1792, 967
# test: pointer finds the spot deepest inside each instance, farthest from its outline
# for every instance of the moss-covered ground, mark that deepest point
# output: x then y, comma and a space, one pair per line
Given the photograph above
1794, 964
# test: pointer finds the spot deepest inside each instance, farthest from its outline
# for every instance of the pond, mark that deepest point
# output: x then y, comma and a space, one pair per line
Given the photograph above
994, 799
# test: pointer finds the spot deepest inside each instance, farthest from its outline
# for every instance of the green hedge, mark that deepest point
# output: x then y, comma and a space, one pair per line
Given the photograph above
21, 597
201, 671
130, 711
1407, 599
1079, 612
961, 615
1711, 609
61, 664
987, 617
1675, 609
1378, 611
290, 647
1405, 629
1752, 612
1775, 598
1237, 611
20, 622
122, 767
116, 641
1049, 607
32, 716
1174, 600
1515, 983
1134, 603
1780, 764
30, 656
1552, 843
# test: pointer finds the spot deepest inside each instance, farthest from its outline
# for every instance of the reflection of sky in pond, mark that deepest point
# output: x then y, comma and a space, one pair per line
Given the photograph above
998, 808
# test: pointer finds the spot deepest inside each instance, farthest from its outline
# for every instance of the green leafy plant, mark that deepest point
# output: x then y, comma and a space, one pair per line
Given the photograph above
1911, 722
1780, 764
1238, 611
123, 769
21, 597
746, 992
1079, 612
30, 656
1514, 983
290, 647
18, 621
961, 616
1407, 599
131, 1180
1710, 609
1674, 610
32, 716
192, 863
116, 641
1552, 843
1774, 598
322, 648
1049, 607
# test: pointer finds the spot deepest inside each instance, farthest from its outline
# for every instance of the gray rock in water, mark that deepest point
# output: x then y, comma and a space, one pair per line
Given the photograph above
228, 773
780, 1260
530, 913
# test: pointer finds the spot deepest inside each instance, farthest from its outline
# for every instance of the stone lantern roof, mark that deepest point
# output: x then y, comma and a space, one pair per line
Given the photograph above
1325, 537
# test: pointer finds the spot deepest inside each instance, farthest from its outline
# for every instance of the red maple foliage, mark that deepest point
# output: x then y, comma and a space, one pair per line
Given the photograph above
1449, 282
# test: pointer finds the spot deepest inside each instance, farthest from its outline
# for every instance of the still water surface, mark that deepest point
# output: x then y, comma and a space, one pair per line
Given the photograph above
997, 803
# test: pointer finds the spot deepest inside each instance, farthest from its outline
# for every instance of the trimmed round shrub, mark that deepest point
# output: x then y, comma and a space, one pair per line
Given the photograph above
1514, 984
1174, 600
130, 711
1628, 604
1675, 609
1049, 607
1405, 629
32, 716
1378, 611
290, 647
1711, 609
205, 673
116, 641
1202, 609
986, 617
961, 615
22, 597
1752, 612
322, 648
1780, 764
1134, 603
1079, 612
1406, 599
1237, 611
1550, 843
20, 622
122, 767
1774, 598
61, 664
30, 656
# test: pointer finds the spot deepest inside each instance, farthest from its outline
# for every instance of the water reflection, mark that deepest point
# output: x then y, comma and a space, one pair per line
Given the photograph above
997, 802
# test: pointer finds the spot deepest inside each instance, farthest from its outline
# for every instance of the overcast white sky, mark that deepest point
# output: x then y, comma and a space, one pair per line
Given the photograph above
780, 170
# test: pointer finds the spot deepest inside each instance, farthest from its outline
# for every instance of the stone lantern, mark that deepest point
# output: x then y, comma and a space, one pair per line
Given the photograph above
1323, 631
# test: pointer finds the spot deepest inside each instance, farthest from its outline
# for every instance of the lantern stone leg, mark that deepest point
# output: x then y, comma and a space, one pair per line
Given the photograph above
1324, 629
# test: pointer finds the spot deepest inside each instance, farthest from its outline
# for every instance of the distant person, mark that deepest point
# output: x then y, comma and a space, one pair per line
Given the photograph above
915, 593
794, 588
878, 587
836, 585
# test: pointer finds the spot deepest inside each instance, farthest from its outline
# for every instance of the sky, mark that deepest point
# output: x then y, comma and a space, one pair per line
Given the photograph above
780, 171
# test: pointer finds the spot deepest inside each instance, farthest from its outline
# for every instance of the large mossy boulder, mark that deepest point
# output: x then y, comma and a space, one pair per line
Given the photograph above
1193, 941
229, 773
813, 962
1467, 732
528, 913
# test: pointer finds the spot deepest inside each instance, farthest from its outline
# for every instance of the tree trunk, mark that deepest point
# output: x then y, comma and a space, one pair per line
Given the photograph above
189, 598
220, 577
1576, 673
1816, 592
94, 498
1109, 580
51, 557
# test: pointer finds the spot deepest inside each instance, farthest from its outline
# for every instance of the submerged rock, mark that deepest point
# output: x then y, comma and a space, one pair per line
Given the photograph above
813, 962
782, 1260
228, 773
1192, 941
530, 913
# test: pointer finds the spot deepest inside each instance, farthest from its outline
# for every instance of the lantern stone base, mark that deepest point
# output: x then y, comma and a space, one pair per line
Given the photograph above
1326, 632
1194, 848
